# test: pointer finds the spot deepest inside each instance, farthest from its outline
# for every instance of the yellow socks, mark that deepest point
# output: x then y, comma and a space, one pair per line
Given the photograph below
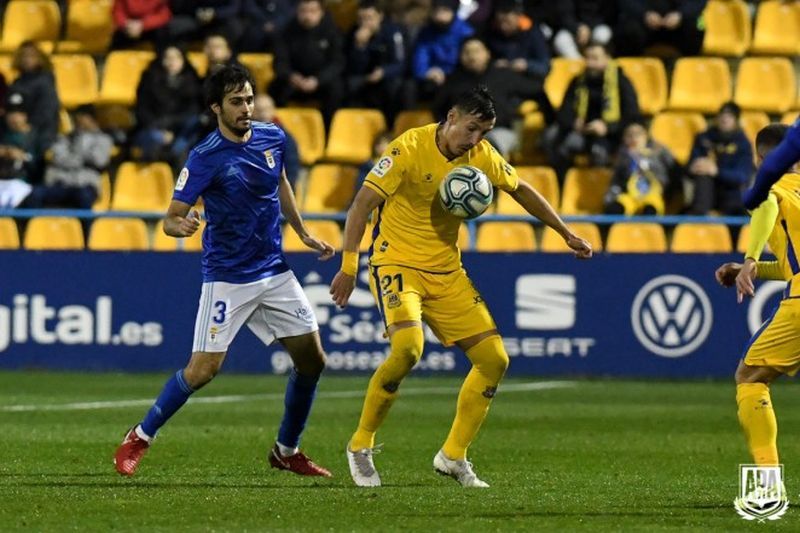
758, 422
406, 350
489, 363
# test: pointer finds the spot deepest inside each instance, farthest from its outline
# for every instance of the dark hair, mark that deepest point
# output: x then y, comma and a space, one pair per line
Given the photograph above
225, 79
509, 6
44, 59
476, 101
377, 5
732, 108
769, 137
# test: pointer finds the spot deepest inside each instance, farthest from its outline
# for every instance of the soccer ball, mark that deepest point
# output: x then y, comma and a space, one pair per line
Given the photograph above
466, 192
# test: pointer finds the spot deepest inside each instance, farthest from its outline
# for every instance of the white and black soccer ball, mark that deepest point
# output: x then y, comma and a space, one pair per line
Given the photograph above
466, 192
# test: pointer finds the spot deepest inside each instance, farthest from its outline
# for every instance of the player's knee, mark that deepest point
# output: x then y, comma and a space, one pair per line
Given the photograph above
407, 344
200, 371
312, 366
491, 358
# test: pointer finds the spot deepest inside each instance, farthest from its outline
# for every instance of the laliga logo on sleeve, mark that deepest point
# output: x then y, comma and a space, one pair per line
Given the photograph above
762, 494
382, 166
183, 177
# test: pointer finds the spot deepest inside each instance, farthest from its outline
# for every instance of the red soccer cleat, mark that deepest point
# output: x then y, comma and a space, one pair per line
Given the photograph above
297, 463
130, 452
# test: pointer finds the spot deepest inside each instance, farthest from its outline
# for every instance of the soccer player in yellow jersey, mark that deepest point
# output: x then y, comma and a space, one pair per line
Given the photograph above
775, 348
416, 274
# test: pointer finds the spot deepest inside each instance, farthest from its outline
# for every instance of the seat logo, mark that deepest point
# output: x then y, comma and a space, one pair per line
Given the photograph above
671, 316
545, 301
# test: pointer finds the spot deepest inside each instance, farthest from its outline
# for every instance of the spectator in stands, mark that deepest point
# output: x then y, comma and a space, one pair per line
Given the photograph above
167, 107
20, 154
478, 13
217, 50
264, 111
37, 87
266, 20
507, 88
437, 48
644, 175
585, 21
72, 177
379, 145
676, 23
376, 60
598, 104
309, 60
720, 165
549, 16
140, 21
194, 19
522, 51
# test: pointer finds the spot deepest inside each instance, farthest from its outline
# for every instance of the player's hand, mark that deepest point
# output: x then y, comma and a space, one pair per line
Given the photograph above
189, 224
581, 247
744, 280
326, 251
672, 20
341, 288
726, 274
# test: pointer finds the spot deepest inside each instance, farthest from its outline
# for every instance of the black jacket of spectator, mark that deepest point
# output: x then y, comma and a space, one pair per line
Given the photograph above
590, 12
637, 8
316, 52
223, 9
38, 90
165, 102
732, 152
261, 12
387, 50
550, 12
527, 44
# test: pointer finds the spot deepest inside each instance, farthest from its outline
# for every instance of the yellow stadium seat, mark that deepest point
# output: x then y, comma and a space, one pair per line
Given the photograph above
766, 84
53, 233
30, 20
649, 78
325, 230
528, 152
118, 234
701, 238
543, 179
121, 74
306, 127
676, 131
7, 68
64, 122
199, 61
636, 237
352, 134
164, 243
9, 235
76, 79
562, 70
554, 243
777, 29
411, 118
584, 189
330, 188
260, 66
790, 117
142, 187
463, 238
700, 84
727, 28
752, 122
103, 202
89, 27
505, 237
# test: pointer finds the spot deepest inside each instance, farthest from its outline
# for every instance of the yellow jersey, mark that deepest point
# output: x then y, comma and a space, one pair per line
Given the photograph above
412, 228
785, 237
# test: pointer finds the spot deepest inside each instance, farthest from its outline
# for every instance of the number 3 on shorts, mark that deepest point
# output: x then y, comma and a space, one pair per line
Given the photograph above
221, 307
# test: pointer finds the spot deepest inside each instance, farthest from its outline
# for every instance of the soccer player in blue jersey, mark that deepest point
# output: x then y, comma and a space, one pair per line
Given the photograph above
238, 170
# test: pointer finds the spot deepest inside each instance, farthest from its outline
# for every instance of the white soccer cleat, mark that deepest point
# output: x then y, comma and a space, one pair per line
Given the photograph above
362, 468
460, 470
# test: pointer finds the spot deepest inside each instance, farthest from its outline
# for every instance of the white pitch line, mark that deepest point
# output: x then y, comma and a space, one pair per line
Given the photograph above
420, 391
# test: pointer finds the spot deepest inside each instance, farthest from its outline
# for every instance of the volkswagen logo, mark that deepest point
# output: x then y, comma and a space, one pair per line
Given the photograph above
671, 316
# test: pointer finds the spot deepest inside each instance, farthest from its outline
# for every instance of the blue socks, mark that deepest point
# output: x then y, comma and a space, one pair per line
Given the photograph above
300, 392
175, 393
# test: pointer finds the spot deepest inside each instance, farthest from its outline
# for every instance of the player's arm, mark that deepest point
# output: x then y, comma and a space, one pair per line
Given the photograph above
179, 221
292, 216
366, 200
775, 165
762, 221
536, 205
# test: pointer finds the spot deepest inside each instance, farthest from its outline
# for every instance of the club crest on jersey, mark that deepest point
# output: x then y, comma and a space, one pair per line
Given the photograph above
382, 166
212, 333
183, 177
269, 158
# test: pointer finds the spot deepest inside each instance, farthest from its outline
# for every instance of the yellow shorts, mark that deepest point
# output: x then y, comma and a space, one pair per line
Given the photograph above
448, 303
777, 343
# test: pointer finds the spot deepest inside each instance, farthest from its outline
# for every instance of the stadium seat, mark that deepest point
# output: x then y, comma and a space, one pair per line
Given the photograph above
30, 20
260, 66
121, 74
766, 84
326, 230
7, 68
199, 61
584, 189
790, 117
649, 78
562, 70
330, 188
76, 79
505, 237
103, 202
752, 122
777, 29
543, 179
118, 234
306, 127
636, 237
9, 235
411, 118
700, 84
529, 152
64, 122
701, 238
727, 28
142, 187
554, 243
352, 133
164, 243
676, 131
53, 233
89, 27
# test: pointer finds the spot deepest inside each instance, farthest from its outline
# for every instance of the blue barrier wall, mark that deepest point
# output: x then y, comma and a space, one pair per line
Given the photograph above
619, 315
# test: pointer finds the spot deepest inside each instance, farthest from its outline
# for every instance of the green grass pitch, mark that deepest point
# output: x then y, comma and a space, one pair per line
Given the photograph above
601, 455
